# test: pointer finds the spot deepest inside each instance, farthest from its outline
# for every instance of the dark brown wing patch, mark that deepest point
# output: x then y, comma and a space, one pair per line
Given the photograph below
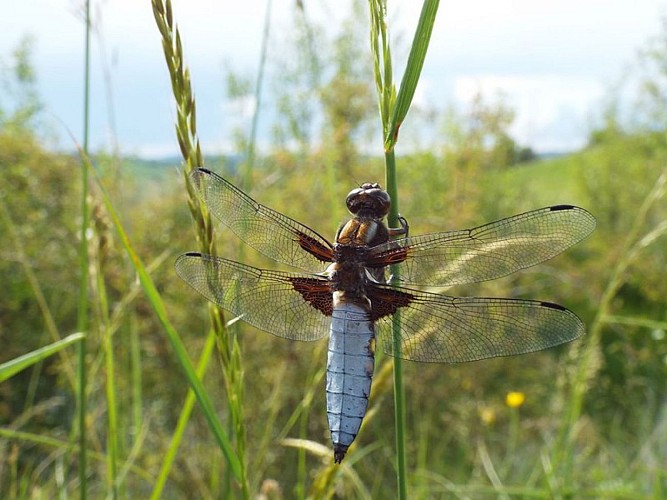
385, 301
316, 292
388, 257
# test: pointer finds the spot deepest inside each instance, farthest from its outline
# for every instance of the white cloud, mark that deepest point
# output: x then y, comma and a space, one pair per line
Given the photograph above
552, 111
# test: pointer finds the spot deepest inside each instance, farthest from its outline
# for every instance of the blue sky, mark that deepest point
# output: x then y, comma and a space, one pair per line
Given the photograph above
553, 61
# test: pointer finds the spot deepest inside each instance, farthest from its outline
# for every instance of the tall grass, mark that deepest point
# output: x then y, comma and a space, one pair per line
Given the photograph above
157, 304
586, 355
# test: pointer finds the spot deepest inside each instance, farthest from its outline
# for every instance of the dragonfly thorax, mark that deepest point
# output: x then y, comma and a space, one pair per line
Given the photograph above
362, 232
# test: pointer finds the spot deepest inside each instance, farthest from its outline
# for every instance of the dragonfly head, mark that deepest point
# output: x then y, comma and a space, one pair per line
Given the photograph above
368, 200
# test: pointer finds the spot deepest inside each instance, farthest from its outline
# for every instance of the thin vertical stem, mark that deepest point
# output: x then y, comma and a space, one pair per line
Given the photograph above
82, 317
110, 389
399, 388
386, 100
135, 356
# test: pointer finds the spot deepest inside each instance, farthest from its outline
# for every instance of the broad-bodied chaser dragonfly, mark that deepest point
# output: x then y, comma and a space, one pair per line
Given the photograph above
347, 293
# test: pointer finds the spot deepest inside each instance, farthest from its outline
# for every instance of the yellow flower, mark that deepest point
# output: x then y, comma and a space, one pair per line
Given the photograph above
515, 399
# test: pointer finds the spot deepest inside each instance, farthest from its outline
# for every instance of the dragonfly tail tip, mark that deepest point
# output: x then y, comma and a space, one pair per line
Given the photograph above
339, 453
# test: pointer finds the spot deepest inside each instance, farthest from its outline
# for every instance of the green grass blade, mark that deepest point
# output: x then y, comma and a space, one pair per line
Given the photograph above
135, 375
412, 71
109, 385
82, 316
11, 368
45, 441
13, 236
634, 321
183, 419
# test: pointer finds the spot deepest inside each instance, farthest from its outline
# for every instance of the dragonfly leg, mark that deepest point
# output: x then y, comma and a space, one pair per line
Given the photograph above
403, 230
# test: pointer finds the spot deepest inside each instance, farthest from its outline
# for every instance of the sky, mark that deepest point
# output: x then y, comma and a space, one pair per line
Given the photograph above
554, 62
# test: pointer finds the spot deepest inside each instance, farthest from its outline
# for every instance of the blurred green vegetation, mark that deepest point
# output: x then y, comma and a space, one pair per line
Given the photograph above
463, 436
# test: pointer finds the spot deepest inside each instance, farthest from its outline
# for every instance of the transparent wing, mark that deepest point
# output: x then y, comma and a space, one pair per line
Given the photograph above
269, 232
288, 305
486, 252
441, 329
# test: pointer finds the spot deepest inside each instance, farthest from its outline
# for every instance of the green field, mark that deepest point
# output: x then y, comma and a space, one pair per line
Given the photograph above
593, 418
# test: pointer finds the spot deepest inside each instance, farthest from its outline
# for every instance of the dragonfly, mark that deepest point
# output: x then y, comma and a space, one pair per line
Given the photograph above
345, 290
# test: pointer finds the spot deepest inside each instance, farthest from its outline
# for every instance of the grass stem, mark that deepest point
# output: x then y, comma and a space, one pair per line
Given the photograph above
82, 317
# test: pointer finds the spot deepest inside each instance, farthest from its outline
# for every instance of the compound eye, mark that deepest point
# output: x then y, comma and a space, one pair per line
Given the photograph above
352, 198
381, 202
369, 200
